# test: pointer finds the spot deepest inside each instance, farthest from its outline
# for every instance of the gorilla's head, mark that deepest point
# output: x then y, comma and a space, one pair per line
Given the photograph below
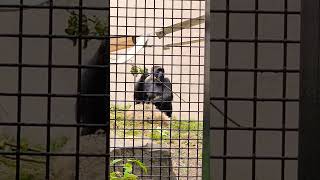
158, 72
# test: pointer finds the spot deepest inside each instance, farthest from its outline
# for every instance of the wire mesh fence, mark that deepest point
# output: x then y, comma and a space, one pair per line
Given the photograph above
64, 64
49, 59
171, 33
254, 80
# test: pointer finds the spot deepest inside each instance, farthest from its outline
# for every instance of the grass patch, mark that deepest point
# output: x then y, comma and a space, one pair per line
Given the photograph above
178, 129
160, 134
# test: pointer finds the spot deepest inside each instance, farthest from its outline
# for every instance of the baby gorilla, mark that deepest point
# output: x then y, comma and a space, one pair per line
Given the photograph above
155, 88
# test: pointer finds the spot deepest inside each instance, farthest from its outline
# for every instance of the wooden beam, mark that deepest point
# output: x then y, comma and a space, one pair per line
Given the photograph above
117, 44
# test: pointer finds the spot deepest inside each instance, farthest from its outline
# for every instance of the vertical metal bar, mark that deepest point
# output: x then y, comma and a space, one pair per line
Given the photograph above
171, 58
143, 107
226, 89
19, 91
107, 60
49, 90
255, 90
189, 90
284, 89
77, 156
206, 167
116, 86
309, 124
199, 103
162, 62
180, 101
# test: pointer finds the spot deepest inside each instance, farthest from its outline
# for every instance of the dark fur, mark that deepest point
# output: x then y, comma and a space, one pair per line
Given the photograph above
95, 81
155, 88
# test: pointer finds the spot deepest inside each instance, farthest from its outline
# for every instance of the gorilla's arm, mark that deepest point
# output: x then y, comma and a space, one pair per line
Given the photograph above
167, 95
139, 94
163, 101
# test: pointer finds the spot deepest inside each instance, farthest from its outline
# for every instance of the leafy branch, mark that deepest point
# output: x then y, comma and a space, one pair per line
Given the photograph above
135, 70
127, 170
89, 26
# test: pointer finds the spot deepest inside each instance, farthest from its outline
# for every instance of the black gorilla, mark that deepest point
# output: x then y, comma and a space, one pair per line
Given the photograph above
95, 81
155, 88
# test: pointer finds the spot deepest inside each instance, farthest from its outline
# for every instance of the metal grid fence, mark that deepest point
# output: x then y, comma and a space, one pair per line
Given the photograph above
55, 88
254, 80
181, 54
44, 79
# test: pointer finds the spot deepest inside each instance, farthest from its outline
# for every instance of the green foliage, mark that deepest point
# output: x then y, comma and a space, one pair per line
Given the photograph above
187, 125
100, 26
140, 164
127, 169
89, 26
73, 27
179, 128
135, 70
160, 134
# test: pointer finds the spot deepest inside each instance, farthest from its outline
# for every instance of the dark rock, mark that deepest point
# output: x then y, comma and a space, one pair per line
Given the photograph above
157, 160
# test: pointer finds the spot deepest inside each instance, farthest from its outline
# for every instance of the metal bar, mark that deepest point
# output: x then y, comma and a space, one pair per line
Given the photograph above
206, 146
48, 133
18, 164
309, 124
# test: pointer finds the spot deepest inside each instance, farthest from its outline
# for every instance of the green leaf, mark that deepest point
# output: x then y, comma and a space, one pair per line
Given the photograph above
128, 176
127, 168
69, 31
140, 164
134, 70
115, 176
99, 26
115, 161
142, 70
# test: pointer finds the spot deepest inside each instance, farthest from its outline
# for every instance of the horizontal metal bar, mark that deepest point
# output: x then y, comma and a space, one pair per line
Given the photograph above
133, 82
54, 154
53, 95
146, 110
54, 66
256, 70
160, 8
254, 99
182, 102
255, 40
252, 129
152, 17
255, 11
3, 123
256, 157
60, 36
85, 66
18, 6
166, 129
167, 73
51, 124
